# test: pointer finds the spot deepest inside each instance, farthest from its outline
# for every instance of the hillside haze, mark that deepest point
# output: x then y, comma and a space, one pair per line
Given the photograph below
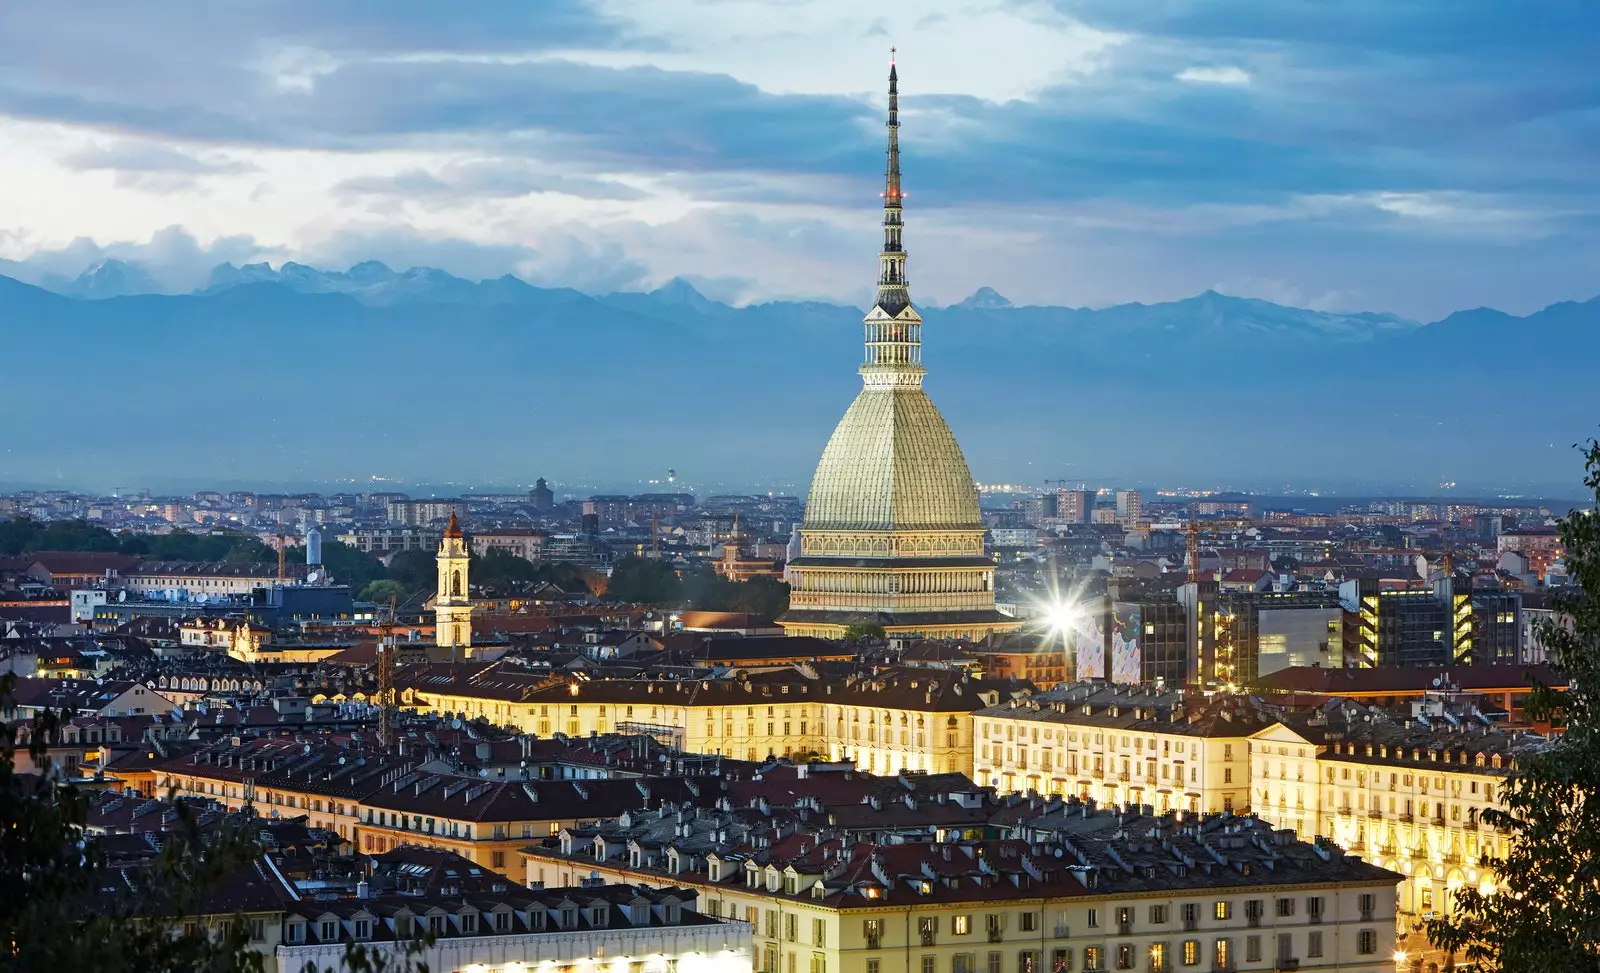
300, 374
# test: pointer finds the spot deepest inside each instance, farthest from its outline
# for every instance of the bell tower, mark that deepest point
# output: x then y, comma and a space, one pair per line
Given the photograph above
452, 605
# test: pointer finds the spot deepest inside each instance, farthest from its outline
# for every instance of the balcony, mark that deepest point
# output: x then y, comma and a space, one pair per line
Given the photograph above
1124, 777
1438, 822
1406, 817
1285, 963
1374, 815
1190, 925
1471, 824
1124, 928
997, 936
928, 938
874, 942
1252, 921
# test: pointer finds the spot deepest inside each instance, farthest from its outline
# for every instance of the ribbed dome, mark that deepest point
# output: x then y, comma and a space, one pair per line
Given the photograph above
892, 463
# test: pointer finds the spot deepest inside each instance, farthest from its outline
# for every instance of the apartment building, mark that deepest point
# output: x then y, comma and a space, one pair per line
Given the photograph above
197, 580
1121, 745
1409, 794
504, 927
525, 543
381, 801
1084, 889
902, 719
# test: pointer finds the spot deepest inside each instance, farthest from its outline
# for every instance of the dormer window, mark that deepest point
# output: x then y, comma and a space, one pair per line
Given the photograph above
674, 913
363, 928
329, 931
599, 917
502, 921
469, 923
714, 869
297, 932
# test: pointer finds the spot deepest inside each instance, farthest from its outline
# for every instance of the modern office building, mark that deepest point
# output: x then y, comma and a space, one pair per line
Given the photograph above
1395, 626
1260, 632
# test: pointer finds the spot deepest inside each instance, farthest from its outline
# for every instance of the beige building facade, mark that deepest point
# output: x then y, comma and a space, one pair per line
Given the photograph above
1120, 745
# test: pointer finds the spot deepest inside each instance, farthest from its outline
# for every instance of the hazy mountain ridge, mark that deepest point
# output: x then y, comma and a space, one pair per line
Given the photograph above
376, 284
298, 371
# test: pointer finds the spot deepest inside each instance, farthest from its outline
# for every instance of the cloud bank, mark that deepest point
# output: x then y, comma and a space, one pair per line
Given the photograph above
1415, 158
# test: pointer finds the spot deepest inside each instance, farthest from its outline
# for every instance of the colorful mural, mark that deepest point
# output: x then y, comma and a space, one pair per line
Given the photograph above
1089, 642
1126, 624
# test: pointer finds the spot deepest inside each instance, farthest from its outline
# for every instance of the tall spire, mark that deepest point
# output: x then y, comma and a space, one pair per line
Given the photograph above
894, 330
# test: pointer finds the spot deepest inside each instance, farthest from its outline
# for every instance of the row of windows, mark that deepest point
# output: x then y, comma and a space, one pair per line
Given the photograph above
1137, 744
1126, 956
1423, 782
1123, 917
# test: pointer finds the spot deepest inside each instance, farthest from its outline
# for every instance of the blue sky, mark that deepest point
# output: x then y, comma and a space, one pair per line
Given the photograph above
1371, 154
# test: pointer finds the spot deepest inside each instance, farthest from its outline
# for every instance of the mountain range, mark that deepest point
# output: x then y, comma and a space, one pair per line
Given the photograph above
300, 372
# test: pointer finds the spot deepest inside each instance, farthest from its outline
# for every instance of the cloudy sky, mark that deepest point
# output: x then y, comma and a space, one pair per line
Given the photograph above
1393, 155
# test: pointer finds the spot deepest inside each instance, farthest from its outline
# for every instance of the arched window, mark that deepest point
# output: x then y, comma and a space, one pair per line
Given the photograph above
455, 584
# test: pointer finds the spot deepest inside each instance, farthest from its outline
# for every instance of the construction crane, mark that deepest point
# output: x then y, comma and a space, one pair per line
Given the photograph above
1194, 543
386, 698
283, 567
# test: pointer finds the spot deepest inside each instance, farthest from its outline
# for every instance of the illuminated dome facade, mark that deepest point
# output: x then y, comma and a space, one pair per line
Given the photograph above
892, 536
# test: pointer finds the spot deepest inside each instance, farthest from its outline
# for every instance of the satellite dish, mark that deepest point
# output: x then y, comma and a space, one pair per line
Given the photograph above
341, 761
306, 748
455, 724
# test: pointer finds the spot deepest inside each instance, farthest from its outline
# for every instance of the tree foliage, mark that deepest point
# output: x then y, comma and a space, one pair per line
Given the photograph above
865, 630
501, 567
417, 569
58, 911
705, 590
382, 591
64, 906
644, 581
27, 536
1545, 916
